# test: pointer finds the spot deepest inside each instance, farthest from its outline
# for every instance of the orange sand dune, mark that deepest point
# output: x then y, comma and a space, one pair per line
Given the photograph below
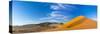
79, 22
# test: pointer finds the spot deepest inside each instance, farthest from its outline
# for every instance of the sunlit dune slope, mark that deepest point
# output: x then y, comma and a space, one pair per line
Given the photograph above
79, 22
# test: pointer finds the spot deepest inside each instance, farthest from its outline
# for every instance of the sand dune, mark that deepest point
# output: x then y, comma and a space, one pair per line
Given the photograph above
80, 22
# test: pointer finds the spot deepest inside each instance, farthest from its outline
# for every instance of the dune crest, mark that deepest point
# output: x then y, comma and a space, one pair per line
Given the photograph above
80, 22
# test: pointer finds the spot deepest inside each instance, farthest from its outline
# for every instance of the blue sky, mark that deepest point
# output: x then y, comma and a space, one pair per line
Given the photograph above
38, 12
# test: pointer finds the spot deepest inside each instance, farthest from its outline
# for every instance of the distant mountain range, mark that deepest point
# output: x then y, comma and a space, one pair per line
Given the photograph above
35, 27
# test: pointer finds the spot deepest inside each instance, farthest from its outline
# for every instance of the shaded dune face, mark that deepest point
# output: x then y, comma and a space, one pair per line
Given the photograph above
79, 22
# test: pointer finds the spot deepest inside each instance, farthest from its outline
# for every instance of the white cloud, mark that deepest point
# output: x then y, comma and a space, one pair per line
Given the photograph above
55, 7
62, 7
56, 15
